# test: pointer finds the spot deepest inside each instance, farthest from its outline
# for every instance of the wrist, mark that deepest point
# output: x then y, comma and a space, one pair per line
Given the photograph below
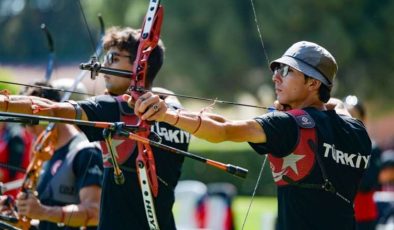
62, 214
42, 212
172, 117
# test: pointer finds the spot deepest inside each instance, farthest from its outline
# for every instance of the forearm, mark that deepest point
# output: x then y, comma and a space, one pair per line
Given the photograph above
212, 128
72, 215
216, 128
36, 106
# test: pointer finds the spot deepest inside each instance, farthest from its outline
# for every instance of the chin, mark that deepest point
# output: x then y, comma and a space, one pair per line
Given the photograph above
281, 100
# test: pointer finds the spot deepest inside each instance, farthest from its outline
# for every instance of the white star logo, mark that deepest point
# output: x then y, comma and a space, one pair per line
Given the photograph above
115, 144
291, 161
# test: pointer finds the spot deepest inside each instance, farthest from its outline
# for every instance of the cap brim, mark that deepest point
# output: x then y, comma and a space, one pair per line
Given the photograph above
300, 66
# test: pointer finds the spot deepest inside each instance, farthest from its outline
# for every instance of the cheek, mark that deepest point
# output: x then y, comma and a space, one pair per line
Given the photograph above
294, 86
289, 88
125, 82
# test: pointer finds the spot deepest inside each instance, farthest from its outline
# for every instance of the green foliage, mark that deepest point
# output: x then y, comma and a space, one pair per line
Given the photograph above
213, 47
230, 153
5, 75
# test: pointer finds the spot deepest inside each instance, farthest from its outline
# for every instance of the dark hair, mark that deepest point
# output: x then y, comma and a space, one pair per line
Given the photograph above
128, 39
324, 91
44, 91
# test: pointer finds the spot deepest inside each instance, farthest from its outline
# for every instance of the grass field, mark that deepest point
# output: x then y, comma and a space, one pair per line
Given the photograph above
261, 215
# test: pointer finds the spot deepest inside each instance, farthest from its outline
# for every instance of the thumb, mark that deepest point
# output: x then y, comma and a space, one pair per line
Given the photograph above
128, 99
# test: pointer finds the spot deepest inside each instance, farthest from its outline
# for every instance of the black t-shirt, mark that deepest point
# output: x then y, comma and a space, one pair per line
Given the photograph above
121, 205
369, 181
87, 167
344, 148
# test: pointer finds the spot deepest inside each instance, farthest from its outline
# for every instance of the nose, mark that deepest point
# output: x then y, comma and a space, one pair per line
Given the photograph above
105, 63
276, 77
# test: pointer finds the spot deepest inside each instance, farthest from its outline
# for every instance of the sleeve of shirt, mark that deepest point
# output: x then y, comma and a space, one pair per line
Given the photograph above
100, 108
281, 131
88, 167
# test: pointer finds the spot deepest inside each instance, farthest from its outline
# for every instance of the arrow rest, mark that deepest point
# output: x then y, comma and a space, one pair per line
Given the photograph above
95, 67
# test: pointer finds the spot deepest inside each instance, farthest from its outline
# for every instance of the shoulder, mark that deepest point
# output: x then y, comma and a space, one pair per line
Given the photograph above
100, 99
88, 154
86, 157
89, 148
275, 117
274, 114
81, 145
353, 123
100, 108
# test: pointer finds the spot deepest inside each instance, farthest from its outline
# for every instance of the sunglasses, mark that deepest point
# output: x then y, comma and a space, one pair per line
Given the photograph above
283, 70
109, 58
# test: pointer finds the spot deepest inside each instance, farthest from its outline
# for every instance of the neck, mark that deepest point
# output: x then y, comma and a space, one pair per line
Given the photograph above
65, 133
317, 105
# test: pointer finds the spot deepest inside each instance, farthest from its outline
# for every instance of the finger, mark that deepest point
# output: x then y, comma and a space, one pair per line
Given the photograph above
22, 196
128, 99
150, 112
278, 106
22, 211
3, 199
140, 106
147, 104
156, 112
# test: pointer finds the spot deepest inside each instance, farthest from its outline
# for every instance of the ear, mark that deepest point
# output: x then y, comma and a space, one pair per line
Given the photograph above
313, 84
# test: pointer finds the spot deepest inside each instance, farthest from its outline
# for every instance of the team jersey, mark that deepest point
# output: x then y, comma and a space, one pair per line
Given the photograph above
122, 205
71, 168
344, 148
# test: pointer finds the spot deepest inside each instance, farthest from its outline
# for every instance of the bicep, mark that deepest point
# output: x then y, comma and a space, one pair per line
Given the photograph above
245, 131
216, 128
90, 195
67, 110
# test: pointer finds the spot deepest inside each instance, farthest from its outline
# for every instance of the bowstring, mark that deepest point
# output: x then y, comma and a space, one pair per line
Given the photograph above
87, 27
254, 191
260, 34
96, 52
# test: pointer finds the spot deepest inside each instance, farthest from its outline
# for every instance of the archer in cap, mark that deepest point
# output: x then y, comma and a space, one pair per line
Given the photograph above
317, 151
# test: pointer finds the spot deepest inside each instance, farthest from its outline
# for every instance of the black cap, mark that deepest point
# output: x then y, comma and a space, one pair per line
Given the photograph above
310, 59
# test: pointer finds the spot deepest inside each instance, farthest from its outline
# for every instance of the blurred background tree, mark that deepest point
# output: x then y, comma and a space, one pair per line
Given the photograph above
213, 48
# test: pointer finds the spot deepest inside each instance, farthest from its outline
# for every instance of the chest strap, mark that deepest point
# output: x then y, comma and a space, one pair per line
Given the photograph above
327, 185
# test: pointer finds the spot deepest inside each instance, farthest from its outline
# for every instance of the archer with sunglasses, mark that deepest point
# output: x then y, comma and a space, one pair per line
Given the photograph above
317, 154
125, 200
117, 59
